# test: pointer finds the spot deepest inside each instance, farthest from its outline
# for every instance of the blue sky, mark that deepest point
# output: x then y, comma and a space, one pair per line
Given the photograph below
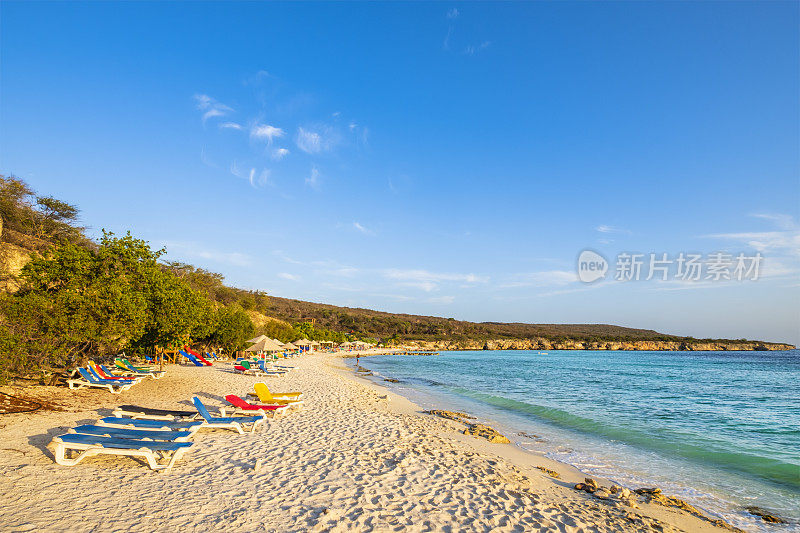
449, 159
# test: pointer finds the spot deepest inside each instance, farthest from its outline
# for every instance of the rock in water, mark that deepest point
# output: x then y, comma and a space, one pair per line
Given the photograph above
488, 433
766, 516
452, 415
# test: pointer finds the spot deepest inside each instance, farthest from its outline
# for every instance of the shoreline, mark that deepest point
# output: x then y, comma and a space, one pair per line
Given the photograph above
530, 461
356, 457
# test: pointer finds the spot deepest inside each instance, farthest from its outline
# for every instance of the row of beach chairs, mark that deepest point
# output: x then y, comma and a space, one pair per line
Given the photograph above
161, 437
125, 376
261, 367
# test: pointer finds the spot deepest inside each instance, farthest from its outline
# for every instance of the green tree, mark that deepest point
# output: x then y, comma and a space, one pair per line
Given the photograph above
233, 328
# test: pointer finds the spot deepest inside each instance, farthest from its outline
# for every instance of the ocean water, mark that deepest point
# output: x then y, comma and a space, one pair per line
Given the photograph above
718, 429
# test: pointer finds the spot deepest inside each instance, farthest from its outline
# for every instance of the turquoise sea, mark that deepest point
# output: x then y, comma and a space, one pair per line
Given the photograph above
718, 429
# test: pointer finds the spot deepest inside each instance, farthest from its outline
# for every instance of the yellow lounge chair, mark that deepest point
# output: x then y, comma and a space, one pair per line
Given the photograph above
286, 398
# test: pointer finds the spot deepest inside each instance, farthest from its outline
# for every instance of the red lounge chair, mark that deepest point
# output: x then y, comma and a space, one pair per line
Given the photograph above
198, 356
243, 405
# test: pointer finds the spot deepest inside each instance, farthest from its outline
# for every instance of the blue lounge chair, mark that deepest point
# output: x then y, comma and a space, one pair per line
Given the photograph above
114, 386
271, 371
91, 445
137, 434
191, 358
231, 422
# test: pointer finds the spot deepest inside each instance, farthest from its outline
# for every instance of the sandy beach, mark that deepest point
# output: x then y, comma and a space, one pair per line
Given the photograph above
356, 457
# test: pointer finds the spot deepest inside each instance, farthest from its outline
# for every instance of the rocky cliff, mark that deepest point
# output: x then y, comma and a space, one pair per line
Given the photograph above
12, 259
546, 344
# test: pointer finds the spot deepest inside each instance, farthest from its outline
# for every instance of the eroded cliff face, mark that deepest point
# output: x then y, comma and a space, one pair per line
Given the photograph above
12, 259
545, 344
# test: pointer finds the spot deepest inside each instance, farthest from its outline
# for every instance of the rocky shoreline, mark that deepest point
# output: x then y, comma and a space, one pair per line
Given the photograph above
641, 345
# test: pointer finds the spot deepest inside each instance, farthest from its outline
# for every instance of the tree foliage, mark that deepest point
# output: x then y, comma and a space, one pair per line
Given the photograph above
76, 301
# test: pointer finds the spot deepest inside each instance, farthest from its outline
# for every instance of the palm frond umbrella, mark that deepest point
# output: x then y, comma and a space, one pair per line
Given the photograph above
265, 345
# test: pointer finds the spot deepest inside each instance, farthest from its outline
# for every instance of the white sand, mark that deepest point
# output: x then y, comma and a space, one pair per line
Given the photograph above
349, 460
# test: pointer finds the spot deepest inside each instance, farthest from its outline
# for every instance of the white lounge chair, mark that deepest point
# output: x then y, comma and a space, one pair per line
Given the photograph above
154, 452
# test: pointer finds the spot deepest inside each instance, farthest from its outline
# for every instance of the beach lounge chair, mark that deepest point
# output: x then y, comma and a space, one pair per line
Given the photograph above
191, 358
89, 380
90, 445
197, 356
178, 435
270, 368
265, 396
236, 422
134, 367
135, 411
149, 359
277, 395
242, 405
99, 374
125, 366
151, 425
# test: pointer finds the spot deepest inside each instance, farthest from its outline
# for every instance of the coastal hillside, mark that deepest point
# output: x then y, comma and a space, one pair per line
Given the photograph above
437, 333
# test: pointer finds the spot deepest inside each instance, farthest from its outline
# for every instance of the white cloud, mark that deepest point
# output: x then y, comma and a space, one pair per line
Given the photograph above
290, 277
429, 281
442, 300
259, 179
604, 228
547, 278
785, 240
210, 107
362, 229
256, 178
230, 126
313, 179
279, 153
265, 131
473, 49
453, 13
317, 139
309, 141
195, 250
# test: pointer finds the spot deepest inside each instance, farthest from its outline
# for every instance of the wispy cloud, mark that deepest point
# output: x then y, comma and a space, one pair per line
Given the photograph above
256, 177
604, 228
230, 126
197, 251
429, 281
210, 107
445, 300
265, 131
313, 179
308, 141
290, 277
473, 49
547, 278
317, 139
784, 240
452, 13
362, 229
279, 153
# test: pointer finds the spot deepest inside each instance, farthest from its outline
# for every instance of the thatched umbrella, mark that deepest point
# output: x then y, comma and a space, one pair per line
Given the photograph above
257, 339
264, 345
